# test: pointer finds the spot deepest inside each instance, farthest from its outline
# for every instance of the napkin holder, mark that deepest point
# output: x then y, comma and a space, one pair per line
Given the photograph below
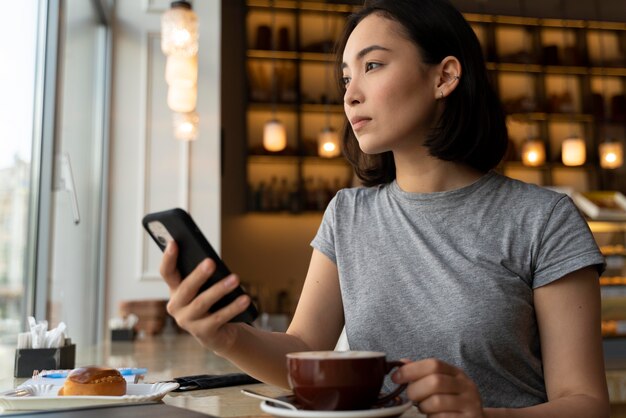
123, 334
27, 360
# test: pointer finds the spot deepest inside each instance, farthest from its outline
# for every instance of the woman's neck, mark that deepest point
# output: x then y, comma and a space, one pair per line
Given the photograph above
426, 174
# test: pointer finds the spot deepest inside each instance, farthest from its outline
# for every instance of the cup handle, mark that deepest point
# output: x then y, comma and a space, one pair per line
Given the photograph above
390, 366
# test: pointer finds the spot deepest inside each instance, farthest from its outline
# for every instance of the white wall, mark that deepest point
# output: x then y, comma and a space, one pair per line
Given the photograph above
149, 169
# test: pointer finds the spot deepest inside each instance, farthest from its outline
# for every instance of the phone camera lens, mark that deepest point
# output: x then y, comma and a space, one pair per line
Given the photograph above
162, 240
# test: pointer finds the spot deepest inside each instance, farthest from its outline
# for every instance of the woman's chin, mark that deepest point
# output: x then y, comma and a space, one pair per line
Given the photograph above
369, 148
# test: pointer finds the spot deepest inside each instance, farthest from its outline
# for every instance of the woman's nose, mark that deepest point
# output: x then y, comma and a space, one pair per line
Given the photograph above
353, 94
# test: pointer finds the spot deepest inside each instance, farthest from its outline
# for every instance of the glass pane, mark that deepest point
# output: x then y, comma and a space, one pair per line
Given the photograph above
18, 47
73, 282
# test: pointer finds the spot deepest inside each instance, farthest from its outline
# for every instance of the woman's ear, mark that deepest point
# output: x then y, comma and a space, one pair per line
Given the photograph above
448, 76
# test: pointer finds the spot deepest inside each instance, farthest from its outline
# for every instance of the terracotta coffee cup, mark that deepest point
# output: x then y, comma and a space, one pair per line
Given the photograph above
339, 380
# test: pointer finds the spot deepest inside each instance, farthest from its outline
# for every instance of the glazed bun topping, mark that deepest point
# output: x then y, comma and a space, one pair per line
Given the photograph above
94, 381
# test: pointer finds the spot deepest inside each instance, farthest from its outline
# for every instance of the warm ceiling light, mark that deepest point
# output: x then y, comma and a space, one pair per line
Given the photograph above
611, 154
533, 153
186, 126
328, 143
574, 151
181, 70
274, 136
179, 30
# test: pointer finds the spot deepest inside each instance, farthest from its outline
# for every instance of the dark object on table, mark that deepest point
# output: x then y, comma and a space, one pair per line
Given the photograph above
124, 334
28, 360
210, 381
139, 410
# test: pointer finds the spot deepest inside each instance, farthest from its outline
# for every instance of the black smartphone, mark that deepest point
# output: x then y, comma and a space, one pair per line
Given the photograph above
177, 225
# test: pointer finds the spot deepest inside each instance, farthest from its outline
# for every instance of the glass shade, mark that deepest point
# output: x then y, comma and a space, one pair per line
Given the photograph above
181, 71
328, 143
533, 153
274, 136
611, 154
573, 151
179, 30
186, 126
182, 99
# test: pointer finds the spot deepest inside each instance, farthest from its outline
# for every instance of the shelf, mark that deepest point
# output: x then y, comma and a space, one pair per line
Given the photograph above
273, 159
290, 55
518, 64
544, 22
322, 108
279, 107
311, 6
556, 69
546, 166
606, 226
268, 54
554, 117
295, 159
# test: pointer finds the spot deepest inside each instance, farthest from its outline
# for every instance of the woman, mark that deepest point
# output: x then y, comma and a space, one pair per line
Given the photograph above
488, 285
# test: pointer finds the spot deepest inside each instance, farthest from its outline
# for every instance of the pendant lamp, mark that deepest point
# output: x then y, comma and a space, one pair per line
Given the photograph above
179, 30
274, 136
328, 143
611, 154
274, 131
533, 153
327, 139
186, 126
574, 151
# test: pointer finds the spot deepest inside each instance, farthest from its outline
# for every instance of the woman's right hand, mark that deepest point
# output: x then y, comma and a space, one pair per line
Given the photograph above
191, 312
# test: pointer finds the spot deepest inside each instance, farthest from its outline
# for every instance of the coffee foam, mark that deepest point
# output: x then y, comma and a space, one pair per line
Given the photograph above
335, 355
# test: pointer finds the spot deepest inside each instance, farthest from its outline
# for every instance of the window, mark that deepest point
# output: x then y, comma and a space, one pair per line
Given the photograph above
18, 75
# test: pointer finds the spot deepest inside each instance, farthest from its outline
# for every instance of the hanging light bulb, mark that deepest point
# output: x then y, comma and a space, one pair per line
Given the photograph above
186, 126
328, 143
179, 30
533, 153
611, 154
573, 151
274, 136
181, 70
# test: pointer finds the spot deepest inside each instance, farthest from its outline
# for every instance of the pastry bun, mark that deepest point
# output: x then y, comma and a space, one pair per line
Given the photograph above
94, 381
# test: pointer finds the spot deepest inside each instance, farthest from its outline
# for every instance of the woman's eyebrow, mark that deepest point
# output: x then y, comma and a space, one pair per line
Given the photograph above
366, 51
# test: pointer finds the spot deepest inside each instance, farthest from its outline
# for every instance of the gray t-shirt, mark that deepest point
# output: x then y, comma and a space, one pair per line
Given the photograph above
451, 275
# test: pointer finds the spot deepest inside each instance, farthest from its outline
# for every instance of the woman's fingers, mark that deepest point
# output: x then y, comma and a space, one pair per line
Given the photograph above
193, 306
188, 288
204, 327
440, 389
416, 370
435, 383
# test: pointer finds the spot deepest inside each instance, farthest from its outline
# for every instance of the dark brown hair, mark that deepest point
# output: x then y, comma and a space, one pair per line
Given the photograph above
472, 129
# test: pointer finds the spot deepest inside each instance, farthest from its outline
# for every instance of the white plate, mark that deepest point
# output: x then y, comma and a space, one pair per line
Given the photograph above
392, 411
45, 396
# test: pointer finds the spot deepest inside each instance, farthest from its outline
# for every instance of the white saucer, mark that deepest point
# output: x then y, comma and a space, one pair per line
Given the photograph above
391, 411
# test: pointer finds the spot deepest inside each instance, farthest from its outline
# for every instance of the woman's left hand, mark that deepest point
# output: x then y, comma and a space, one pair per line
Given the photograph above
439, 389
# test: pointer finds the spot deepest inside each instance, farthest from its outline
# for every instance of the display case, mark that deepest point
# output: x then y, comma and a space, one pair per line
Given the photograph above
611, 238
562, 83
291, 78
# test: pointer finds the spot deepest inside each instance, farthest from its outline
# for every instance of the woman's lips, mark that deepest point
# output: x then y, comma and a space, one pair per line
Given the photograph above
359, 123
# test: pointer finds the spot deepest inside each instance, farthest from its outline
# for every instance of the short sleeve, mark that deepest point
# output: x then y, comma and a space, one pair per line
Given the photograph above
324, 240
566, 245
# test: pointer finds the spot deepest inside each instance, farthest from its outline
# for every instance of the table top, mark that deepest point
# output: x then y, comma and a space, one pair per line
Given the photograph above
168, 356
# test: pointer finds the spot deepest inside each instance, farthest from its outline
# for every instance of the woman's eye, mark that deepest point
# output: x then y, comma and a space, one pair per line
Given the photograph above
345, 81
371, 66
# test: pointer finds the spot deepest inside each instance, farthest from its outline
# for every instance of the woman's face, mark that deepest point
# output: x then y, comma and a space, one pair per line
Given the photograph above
390, 97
